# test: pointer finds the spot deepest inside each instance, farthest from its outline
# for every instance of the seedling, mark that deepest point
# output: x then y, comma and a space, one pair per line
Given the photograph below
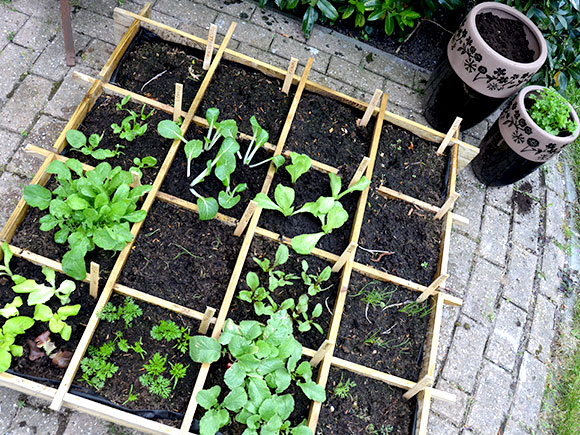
131, 397
39, 293
284, 197
138, 348
78, 141
5, 270
375, 339
171, 130
129, 311
300, 165
282, 255
314, 282
259, 138
96, 368
95, 209
166, 330
8, 333
424, 265
342, 389
11, 309
56, 321
177, 372
375, 297
153, 379
145, 163
422, 309
130, 127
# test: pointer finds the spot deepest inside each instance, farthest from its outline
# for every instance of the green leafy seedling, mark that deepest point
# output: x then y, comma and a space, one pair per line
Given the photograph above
300, 165
8, 333
284, 197
78, 140
40, 293
56, 321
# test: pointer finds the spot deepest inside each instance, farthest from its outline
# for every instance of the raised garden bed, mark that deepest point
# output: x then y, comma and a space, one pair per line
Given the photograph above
196, 273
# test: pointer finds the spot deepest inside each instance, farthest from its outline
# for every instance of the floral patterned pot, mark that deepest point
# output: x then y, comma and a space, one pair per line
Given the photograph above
472, 80
515, 145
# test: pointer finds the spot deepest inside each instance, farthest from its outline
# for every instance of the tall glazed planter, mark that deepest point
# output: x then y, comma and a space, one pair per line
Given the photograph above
515, 145
473, 79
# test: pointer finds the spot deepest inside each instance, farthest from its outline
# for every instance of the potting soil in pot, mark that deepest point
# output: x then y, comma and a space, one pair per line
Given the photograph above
506, 36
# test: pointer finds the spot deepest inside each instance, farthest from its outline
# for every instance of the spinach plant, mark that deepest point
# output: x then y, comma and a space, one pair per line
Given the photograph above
56, 321
301, 163
259, 138
8, 333
266, 363
95, 209
78, 141
40, 293
130, 127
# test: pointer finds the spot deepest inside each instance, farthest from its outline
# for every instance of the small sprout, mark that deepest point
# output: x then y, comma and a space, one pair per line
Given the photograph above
78, 141
342, 389
131, 397
300, 165
177, 372
424, 265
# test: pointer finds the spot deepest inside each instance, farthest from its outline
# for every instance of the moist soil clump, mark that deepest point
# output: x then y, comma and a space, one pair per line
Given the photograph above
506, 36
408, 164
262, 248
176, 182
374, 332
240, 92
326, 130
152, 66
43, 367
308, 188
408, 235
99, 121
130, 363
523, 198
369, 406
181, 259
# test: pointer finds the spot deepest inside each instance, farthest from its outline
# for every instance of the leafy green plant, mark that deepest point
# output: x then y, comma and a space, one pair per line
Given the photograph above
266, 363
171, 130
259, 138
78, 141
391, 12
342, 389
129, 311
56, 321
314, 9
177, 371
284, 197
137, 347
421, 309
5, 269
11, 308
8, 333
552, 112
153, 379
282, 255
95, 209
144, 163
314, 282
166, 330
96, 368
40, 293
374, 296
131, 397
130, 127
300, 165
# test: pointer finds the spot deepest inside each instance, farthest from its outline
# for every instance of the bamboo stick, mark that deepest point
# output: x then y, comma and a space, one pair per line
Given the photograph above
453, 132
322, 351
423, 407
448, 205
370, 109
243, 223
426, 381
432, 287
289, 75
359, 172
210, 45
206, 320
94, 287
348, 253
178, 101
433, 334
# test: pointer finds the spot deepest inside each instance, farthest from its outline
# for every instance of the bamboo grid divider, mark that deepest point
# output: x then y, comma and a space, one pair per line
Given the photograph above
61, 395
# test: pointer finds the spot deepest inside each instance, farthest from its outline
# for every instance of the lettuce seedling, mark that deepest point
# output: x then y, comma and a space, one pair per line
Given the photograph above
95, 209
5, 269
284, 197
39, 293
11, 309
78, 141
8, 333
56, 321
282, 255
145, 163
300, 165
130, 127
259, 138
314, 282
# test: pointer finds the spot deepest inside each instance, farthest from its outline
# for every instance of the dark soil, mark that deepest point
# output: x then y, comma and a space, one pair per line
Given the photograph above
240, 92
176, 182
408, 164
44, 367
181, 259
379, 335
523, 198
28, 236
326, 130
130, 364
152, 66
309, 187
216, 377
371, 407
410, 236
506, 36
263, 248
99, 121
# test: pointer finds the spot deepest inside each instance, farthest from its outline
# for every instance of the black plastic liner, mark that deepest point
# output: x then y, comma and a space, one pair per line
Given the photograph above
143, 35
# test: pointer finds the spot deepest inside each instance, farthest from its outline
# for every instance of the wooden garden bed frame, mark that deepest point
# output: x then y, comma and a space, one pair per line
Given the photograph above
128, 24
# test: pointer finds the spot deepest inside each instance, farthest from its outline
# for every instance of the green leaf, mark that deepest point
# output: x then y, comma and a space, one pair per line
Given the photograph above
284, 197
335, 184
169, 130
252, 280
258, 391
102, 154
226, 201
76, 139
389, 24
305, 243
301, 430
236, 399
76, 202
313, 391
37, 196
327, 9
308, 20
211, 115
58, 168
73, 264
263, 201
278, 160
75, 166
208, 398
59, 208
300, 164
42, 313
207, 207
204, 349
17, 325
282, 254
360, 185
335, 218
193, 149
234, 376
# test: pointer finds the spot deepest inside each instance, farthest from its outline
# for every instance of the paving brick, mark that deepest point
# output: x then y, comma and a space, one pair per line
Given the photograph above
39, 9
494, 235
466, 353
402, 96
484, 286
420, 80
10, 142
10, 191
453, 411
438, 426
68, 96
79, 423
106, 7
93, 24
287, 48
8, 407
553, 175
460, 263
555, 217
278, 23
171, 21
15, 61
30, 97
272, 59
519, 278
529, 391
354, 75
553, 261
52, 63
390, 67
37, 32
43, 134
514, 427
95, 54
199, 15
337, 45
32, 421
491, 400
470, 203
506, 336
239, 10
500, 197
246, 32
525, 227
450, 316
337, 85
10, 22
542, 331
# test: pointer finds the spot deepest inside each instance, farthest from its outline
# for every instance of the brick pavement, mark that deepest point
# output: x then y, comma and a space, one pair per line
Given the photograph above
507, 265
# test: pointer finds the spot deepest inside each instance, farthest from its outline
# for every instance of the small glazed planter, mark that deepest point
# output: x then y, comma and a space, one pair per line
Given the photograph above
515, 145
473, 79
